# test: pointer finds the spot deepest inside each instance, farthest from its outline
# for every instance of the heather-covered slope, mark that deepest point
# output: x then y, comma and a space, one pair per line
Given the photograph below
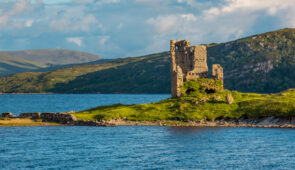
262, 63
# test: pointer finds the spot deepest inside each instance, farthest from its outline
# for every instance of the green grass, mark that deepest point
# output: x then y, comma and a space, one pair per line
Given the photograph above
31, 124
199, 104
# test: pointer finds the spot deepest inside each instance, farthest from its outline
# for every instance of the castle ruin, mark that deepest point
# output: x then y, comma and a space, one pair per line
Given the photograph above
189, 63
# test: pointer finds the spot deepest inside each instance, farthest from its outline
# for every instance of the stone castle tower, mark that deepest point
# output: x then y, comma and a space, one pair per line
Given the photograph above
189, 63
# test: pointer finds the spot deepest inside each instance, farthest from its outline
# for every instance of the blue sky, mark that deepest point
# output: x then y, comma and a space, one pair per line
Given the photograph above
122, 28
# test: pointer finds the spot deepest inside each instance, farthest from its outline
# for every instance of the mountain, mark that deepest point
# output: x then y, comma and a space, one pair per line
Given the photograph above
262, 63
130, 75
29, 60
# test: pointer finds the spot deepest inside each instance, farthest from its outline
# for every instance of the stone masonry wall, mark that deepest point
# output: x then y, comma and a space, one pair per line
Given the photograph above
189, 63
35, 115
58, 117
217, 72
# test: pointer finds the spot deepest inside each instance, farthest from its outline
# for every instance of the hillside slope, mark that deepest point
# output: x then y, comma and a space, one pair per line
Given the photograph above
261, 63
28, 60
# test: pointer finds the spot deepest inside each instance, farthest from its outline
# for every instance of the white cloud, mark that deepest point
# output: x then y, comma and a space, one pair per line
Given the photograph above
107, 2
69, 22
270, 6
29, 23
84, 1
189, 17
76, 40
120, 26
172, 23
19, 7
103, 40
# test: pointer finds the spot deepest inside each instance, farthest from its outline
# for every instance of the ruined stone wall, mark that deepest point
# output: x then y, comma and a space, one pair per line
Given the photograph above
196, 63
58, 117
34, 115
8, 115
217, 72
67, 119
187, 63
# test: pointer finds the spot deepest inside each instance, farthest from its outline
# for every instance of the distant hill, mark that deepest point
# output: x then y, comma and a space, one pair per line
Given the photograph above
28, 60
263, 63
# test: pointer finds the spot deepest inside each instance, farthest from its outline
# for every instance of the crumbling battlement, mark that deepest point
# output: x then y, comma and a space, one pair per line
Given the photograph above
189, 63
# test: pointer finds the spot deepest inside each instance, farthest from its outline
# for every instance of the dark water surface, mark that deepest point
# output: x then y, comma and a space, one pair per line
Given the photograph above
134, 147
16, 103
146, 148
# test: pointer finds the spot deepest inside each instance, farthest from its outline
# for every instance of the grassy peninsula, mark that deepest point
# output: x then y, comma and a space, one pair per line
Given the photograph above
201, 99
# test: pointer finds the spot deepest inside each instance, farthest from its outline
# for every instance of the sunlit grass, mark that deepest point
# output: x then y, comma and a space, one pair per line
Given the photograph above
199, 105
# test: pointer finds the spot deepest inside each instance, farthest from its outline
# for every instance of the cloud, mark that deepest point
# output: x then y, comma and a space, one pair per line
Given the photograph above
114, 28
270, 6
76, 40
29, 23
218, 22
120, 26
273, 8
103, 40
18, 8
68, 22
171, 23
101, 2
17, 14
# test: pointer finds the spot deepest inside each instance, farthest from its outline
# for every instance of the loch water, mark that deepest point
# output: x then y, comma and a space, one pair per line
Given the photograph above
135, 147
23, 103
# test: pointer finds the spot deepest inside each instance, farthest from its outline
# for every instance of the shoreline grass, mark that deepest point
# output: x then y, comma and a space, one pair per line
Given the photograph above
196, 104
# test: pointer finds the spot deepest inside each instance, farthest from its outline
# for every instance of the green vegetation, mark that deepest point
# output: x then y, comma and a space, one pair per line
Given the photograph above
31, 124
133, 75
261, 63
201, 99
31, 60
25, 122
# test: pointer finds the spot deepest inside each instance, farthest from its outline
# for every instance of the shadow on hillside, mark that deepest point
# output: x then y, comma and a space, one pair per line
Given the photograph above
145, 76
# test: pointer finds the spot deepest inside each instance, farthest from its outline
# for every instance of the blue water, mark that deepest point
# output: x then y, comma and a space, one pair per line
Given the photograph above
69, 102
134, 147
146, 148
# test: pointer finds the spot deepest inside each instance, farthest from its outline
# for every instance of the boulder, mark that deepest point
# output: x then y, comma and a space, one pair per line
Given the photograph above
229, 99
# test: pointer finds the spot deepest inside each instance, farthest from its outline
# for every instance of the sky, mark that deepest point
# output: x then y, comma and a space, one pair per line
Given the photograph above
124, 28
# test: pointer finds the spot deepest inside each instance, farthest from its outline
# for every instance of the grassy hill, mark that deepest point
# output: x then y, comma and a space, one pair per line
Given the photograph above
262, 63
136, 75
197, 103
28, 60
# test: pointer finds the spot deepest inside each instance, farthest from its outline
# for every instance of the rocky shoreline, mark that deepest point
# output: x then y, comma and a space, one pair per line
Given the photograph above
266, 122
70, 120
